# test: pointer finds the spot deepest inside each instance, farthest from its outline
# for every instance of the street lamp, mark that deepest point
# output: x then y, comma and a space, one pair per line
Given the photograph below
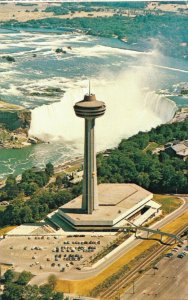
155, 268
133, 287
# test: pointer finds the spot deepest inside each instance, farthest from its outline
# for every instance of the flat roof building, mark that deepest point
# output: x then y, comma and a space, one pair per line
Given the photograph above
116, 202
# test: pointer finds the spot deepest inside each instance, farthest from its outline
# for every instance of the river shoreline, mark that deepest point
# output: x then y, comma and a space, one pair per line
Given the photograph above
36, 11
37, 78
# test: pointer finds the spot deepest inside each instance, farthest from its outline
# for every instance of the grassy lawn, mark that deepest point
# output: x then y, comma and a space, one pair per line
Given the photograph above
6, 229
2, 207
151, 146
169, 203
84, 287
73, 168
176, 224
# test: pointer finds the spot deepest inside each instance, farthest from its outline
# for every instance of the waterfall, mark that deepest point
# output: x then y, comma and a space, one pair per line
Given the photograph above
161, 106
129, 110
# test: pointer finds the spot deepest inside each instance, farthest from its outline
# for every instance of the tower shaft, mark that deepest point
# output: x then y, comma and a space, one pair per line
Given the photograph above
89, 109
90, 197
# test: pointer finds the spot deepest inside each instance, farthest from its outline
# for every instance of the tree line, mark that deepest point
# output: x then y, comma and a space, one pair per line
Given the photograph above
168, 28
132, 162
31, 181
16, 287
42, 199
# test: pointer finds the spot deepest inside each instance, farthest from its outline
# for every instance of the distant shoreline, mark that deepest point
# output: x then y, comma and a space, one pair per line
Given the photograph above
12, 11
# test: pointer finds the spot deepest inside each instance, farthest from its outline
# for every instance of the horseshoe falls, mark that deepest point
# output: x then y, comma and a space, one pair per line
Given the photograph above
49, 84
129, 110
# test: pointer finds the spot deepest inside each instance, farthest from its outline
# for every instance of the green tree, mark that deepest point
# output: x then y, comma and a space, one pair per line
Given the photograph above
179, 183
11, 187
58, 181
24, 278
58, 296
28, 176
61, 197
52, 280
144, 180
49, 169
30, 188
11, 214
65, 181
12, 291
9, 276
41, 178
31, 293
168, 172
77, 189
26, 214
46, 291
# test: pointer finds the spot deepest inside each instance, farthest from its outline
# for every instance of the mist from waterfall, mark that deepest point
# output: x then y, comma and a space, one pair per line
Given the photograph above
131, 107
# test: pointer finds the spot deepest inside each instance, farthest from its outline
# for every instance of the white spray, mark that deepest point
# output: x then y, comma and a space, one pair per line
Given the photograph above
130, 108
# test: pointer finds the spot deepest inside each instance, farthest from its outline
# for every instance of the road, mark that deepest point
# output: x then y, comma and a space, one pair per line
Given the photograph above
169, 282
85, 274
67, 165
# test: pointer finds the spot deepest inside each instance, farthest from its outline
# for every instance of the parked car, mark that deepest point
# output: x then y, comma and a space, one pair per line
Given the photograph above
170, 254
175, 249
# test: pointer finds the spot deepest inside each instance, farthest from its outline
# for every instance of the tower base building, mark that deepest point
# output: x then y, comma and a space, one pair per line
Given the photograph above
119, 205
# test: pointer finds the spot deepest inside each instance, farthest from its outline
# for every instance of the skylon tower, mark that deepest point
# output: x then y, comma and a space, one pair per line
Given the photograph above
89, 109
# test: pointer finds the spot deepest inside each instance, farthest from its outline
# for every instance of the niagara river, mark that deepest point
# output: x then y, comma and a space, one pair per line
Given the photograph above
131, 82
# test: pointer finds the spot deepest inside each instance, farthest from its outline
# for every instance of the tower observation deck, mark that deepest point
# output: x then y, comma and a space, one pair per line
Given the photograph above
89, 109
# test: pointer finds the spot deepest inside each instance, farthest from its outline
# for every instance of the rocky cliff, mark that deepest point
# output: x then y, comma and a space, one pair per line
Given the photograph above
13, 116
14, 125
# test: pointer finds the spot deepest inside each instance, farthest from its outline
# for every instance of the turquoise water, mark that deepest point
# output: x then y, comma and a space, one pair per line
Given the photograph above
89, 57
17, 160
180, 101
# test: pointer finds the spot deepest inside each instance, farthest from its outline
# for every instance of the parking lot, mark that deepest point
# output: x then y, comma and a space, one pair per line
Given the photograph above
169, 282
51, 253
